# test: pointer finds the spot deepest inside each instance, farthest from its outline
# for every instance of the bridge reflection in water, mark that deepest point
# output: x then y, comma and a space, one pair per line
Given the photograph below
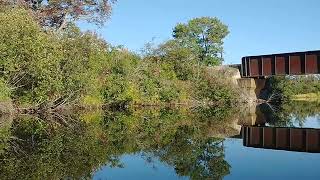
290, 139
257, 134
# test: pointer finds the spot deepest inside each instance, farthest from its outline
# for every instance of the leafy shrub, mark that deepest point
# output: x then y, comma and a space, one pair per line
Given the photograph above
169, 93
29, 57
213, 88
44, 66
294, 85
5, 91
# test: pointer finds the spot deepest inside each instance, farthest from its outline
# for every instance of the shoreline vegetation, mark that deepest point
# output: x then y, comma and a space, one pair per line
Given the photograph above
306, 97
296, 88
46, 69
35, 149
40, 149
70, 102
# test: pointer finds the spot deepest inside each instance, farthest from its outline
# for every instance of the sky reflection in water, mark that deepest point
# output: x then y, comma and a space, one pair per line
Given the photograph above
157, 144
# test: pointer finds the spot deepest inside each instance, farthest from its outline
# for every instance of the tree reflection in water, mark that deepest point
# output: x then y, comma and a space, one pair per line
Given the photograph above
291, 114
46, 149
190, 141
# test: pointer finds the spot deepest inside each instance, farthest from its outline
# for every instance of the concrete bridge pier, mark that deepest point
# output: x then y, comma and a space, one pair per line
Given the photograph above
251, 115
252, 86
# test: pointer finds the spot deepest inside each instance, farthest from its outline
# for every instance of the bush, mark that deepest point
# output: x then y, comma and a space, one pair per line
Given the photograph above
294, 85
210, 87
118, 88
29, 58
44, 66
5, 91
181, 58
169, 93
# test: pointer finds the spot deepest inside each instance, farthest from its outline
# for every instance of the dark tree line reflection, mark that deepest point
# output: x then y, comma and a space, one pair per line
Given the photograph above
75, 146
291, 114
33, 148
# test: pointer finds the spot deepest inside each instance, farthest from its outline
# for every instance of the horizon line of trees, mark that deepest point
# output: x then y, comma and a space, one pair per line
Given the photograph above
289, 86
57, 67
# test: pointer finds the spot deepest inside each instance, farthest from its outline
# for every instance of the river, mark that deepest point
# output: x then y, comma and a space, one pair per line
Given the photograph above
263, 142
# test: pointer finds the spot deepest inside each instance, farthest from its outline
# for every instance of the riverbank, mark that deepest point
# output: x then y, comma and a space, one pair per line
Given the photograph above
32, 147
74, 68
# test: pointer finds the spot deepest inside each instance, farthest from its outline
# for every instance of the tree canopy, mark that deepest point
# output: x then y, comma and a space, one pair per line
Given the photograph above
57, 13
40, 67
204, 37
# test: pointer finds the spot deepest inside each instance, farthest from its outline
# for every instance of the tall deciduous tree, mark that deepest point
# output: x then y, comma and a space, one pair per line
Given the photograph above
204, 36
57, 13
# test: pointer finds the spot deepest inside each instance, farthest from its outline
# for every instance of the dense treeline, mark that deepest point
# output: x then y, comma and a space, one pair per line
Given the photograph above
291, 86
42, 66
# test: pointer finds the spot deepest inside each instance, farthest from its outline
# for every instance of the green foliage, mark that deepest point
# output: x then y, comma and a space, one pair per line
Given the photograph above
295, 85
118, 87
85, 58
48, 150
5, 133
169, 93
115, 91
182, 59
204, 37
43, 66
156, 81
5, 91
171, 70
212, 88
29, 57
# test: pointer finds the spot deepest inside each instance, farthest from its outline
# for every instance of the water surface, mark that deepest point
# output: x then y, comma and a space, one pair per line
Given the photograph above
247, 143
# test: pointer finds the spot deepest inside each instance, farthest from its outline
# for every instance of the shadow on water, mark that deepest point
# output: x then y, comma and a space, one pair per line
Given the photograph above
76, 146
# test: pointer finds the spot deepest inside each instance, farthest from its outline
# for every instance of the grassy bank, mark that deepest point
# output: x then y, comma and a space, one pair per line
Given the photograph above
297, 87
306, 97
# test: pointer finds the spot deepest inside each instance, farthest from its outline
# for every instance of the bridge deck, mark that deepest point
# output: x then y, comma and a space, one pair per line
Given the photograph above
296, 63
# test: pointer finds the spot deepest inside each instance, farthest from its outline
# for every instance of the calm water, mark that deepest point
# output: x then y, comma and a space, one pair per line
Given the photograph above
247, 143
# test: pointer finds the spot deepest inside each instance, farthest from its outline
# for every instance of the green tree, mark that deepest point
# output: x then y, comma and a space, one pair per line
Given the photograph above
204, 36
183, 60
288, 86
5, 91
29, 58
43, 67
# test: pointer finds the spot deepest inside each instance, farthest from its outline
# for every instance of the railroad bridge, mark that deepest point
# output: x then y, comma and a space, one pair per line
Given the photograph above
255, 69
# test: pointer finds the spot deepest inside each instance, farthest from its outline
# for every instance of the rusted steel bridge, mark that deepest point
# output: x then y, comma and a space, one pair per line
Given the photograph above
295, 63
290, 139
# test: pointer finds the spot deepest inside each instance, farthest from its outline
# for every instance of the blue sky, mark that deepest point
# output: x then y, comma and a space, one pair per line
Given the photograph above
256, 26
